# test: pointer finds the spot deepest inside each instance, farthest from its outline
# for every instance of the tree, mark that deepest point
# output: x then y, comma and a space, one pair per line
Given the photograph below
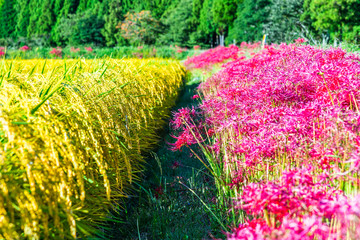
195, 37
70, 7
7, 18
82, 6
82, 28
206, 31
111, 34
62, 10
58, 5
224, 12
249, 24
157, 7
127, 6
46, 19
339, 18
284, 20
196, 10
35, 12
178, 24
22, 17
95, 5
140, 28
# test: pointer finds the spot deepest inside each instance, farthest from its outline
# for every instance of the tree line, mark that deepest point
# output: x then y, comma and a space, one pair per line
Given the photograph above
175, 22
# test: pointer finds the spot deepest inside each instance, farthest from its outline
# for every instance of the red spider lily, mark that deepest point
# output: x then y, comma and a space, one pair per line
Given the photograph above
300, 40
295, 194
186, 138
213, 56
24, 48
159, 191
289, 105
248, 105
245, 45
255, 229
307, 227
57, 52
180, 49
74, 50
195, 96
182, 118
89, 49
175, 165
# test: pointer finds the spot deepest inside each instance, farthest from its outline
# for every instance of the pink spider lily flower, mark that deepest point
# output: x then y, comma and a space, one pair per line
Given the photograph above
89, 49
24, 48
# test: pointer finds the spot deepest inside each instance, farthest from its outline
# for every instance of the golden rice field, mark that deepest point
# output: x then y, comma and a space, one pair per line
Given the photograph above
73, 134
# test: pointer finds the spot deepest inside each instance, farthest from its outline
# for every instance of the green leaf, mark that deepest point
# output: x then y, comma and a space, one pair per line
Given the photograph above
20, 123
43, 101
89, 180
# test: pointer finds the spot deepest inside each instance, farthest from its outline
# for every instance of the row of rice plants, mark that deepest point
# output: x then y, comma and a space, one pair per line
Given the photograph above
73, 134
280, 132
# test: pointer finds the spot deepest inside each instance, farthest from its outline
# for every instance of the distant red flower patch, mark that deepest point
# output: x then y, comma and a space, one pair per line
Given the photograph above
2, 51
300, 40
24, 48
89, 49
74, 50
213, 56
56, 52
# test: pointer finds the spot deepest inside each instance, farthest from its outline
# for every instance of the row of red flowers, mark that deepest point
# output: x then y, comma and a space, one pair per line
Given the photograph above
284, 126
57, 52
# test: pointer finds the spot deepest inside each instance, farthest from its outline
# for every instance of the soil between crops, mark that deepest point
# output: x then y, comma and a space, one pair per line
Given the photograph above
161, 206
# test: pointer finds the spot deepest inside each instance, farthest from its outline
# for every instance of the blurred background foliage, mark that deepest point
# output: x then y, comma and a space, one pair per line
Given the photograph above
186, 23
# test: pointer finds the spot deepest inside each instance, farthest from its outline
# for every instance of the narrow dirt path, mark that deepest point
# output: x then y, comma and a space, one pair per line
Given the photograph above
163, 207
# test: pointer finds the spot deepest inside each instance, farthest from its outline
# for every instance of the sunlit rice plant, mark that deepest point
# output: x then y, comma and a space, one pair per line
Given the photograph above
72, 135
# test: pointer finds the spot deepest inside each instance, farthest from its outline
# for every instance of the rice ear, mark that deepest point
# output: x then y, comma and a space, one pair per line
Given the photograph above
72, 135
